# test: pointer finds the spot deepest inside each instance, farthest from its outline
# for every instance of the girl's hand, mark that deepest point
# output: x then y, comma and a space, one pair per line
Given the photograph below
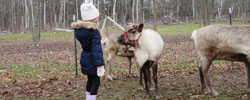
100, 71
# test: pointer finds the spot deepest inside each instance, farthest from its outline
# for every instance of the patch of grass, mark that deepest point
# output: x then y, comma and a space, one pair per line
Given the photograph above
163, 30
180, 28
28, 73
219, 62
57, 34
15, 36
235, 22
120, 69
177, 29
179, 65
44, 35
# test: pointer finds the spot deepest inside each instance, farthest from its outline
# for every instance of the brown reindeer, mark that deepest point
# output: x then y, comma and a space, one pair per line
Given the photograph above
113, 49
220, 42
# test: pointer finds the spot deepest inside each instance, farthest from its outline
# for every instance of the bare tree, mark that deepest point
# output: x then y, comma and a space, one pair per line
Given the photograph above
18, 15
37, 19
220, 9
44, 14
155, 14
32, 13
77, 9
102, 10
193, 6
125, 12
64, 14
133, 11
248, 11
178, 9
26, 14
141, 19
205, 19
29, 14
61, 12
114, 13
137, 11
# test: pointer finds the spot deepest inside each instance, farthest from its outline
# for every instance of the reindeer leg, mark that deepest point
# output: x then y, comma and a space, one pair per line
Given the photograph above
109, 67
140, 75
130, 65
140, 82
149, 79
137, 70
248, 74
206, 62
146, 72
151, 63
203, 85
247, 65
155, 69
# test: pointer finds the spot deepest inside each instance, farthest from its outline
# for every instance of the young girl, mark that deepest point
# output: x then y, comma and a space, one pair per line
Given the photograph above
92, 63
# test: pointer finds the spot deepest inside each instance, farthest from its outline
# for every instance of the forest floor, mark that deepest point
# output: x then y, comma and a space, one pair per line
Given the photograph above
48, 72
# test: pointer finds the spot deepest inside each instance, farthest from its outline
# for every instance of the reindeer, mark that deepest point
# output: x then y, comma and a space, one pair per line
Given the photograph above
148, 46
220, 42
112, 48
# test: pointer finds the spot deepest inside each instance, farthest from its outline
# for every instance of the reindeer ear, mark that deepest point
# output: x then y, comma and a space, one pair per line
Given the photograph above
140, 28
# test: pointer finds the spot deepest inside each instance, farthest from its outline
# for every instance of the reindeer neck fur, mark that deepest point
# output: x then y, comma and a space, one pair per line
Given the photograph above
150, 46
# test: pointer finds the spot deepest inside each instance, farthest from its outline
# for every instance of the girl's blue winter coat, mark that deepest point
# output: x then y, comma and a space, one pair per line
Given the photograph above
92, 55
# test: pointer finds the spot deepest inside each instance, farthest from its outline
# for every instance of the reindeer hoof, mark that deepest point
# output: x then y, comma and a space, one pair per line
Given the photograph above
215, 93
137, 76
109, 78
158, 96
147, 96
130, 75
114, 76
140, 88
205, 91
248, 91
152, 89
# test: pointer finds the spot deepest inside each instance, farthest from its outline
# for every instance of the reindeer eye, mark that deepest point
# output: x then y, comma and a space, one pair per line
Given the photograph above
132, 31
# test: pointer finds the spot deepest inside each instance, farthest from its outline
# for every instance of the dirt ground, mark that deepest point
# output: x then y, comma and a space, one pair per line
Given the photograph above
178, 74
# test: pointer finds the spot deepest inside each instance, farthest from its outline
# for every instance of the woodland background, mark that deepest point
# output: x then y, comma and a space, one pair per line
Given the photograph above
20, 16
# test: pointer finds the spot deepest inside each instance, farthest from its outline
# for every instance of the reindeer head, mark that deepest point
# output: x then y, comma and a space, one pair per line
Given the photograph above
131, 35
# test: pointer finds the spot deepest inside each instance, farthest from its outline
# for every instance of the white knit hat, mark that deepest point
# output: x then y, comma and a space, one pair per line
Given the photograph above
89, 11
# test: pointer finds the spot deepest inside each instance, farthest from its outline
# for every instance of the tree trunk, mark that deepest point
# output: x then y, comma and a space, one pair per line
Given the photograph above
114, 13
125, 12
220, 9
133, 11
141, 18
248, 11
29, 15
39, 23
193, 6
32, 13
37, 20
211, 9
155, 15
77, 9
205, 19
61, 12
45, 15
178, 9
238, 12
137, 11
64, 14
102, 11
12, 19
